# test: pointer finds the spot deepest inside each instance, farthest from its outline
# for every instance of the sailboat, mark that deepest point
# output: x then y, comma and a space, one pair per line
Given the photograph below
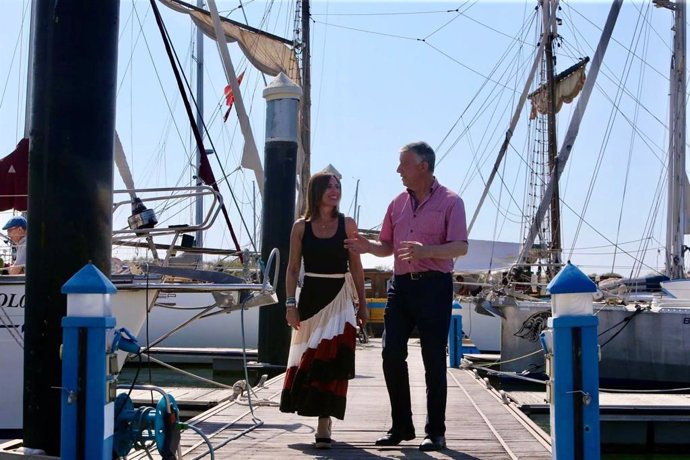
210, 292
642, 325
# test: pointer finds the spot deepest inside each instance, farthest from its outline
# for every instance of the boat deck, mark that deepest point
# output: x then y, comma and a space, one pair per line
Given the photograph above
479, 424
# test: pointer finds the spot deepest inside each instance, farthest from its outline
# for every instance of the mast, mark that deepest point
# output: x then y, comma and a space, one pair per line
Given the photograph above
305, 106
356, 210
573, 128
199, 217
549, 10
30, 73
676, 215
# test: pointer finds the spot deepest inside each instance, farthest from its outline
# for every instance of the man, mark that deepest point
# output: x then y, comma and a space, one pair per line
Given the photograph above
16, 230
425, 228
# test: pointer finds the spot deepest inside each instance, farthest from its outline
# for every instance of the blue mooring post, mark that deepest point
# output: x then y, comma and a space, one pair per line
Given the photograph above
574, 364
88, 387
455, 336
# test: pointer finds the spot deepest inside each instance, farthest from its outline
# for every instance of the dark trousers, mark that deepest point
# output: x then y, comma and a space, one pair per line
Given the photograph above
425, 303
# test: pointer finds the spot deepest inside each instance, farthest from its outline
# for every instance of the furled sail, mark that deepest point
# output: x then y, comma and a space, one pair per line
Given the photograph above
569, 83
14, 175
268, 53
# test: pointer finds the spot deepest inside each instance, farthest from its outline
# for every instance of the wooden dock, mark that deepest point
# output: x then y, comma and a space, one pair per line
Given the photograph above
479, 424
629, 422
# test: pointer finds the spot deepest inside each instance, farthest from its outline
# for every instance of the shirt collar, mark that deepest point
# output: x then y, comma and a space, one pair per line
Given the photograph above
432, 189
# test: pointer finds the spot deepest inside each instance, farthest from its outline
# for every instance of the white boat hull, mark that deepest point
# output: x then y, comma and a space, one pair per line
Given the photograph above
651, 350
222, 330
484, 329
129, 309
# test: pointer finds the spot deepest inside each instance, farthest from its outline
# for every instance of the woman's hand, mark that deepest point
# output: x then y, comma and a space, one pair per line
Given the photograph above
292, 318
362, 314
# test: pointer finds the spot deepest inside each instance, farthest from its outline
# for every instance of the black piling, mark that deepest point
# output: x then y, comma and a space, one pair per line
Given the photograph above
280, 166
70, 186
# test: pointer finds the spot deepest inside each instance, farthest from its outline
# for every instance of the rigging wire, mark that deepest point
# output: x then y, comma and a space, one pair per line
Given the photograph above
496, 69
607, 136
614, 40
441, 27
630, 149
19, 45
616, 107
153, 162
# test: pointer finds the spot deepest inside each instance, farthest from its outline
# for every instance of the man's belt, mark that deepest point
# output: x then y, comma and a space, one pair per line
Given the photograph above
414, 276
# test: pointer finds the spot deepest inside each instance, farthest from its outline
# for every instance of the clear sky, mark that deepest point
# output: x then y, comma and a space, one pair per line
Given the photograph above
387, 73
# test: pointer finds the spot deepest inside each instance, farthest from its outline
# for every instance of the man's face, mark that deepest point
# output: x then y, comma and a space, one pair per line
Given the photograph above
411, 169
16, 234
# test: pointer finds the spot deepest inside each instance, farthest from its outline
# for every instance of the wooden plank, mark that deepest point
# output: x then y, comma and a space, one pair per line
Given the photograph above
479, 424
186, 397
613, 401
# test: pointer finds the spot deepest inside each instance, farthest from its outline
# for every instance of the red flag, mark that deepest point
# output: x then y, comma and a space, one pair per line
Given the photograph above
230, 97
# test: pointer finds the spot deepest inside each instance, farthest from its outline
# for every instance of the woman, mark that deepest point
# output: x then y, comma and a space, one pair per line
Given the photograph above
322, 351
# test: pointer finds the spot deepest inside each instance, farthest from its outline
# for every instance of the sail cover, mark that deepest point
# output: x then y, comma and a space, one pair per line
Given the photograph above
268, 53
485, 255
14, 178
569, 83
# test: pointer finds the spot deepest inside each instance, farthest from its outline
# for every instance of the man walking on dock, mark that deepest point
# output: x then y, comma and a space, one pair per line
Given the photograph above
425, 228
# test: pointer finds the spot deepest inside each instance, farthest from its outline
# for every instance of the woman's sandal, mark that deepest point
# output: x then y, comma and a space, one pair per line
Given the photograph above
324, 442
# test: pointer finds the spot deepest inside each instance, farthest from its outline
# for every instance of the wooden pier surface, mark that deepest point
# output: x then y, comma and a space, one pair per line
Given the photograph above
479, 424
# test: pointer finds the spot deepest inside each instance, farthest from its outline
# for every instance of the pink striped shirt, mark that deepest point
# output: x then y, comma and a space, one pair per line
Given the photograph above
439, 219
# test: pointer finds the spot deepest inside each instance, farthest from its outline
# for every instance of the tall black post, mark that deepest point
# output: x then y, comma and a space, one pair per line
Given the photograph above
70, 185
280, 166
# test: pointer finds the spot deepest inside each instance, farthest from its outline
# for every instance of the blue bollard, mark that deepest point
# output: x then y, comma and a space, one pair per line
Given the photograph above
455, 336
575, 388
574, 367
88, 388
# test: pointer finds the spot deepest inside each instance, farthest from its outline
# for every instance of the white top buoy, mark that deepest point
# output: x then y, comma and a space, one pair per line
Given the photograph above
571, 292
88, 293
282, 88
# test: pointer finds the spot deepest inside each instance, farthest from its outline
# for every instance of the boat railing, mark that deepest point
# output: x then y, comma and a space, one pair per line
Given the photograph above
162, 219
167, 199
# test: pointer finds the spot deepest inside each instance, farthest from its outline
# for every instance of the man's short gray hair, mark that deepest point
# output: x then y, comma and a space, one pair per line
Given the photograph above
423, 151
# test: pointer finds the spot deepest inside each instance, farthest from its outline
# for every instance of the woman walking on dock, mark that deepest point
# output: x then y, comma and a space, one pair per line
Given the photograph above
322, 350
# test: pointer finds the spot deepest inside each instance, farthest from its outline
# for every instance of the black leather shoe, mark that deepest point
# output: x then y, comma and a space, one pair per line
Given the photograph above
393, 438
433, 443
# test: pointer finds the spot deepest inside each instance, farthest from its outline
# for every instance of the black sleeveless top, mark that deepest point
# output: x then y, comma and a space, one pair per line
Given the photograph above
322, 255
325, 255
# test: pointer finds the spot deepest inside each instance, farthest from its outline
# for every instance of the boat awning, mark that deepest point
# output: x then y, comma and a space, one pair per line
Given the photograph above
485, 255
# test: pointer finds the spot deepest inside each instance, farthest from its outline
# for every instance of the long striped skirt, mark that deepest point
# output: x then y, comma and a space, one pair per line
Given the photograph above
322, 360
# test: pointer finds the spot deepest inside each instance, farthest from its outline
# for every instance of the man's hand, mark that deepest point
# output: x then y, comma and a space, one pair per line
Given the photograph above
411, 250
358, 244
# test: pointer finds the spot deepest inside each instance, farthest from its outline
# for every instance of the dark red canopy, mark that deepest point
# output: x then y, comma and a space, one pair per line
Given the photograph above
14, 178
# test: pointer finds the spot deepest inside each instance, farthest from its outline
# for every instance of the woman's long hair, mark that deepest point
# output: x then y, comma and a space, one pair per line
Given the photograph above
318, 184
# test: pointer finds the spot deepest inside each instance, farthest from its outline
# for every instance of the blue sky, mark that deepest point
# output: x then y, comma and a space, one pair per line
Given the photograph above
387, 73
